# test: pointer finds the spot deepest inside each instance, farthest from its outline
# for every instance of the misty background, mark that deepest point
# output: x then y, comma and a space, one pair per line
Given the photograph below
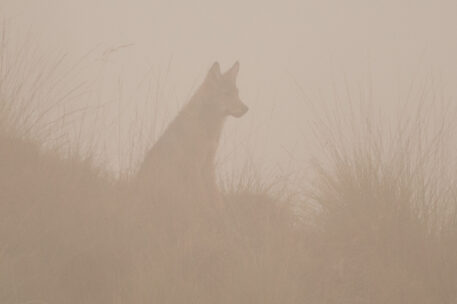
130, 66
352, 111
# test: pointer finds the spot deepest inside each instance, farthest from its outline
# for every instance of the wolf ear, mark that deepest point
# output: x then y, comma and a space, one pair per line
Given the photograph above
233, 72
215, 71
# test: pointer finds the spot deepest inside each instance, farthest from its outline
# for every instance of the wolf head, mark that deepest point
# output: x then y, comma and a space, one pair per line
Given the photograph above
223, 93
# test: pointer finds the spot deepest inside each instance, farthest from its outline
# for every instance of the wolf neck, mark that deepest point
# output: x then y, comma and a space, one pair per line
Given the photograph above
187, 148
199, 119
192, 137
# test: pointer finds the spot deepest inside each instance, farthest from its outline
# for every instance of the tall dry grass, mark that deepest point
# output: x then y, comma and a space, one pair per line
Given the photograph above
47, 192
387, 193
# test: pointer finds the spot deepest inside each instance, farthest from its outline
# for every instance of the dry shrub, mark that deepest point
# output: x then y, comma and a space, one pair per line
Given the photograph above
387, 199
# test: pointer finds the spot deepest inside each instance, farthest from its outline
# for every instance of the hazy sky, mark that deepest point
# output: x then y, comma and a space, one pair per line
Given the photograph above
278, 43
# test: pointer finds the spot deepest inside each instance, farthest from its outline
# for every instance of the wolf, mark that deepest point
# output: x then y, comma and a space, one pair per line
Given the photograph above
185, 153
173, 204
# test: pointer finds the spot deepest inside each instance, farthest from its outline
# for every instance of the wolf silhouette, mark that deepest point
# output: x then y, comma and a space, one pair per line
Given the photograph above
185, 153
175, 198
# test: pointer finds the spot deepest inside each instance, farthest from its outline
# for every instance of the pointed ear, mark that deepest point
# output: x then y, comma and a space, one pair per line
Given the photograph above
233, 72
215, 71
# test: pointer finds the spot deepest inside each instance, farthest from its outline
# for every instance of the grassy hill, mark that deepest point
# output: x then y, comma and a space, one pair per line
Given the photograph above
386, 231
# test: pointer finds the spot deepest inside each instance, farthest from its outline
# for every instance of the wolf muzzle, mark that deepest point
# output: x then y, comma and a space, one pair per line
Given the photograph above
240, 112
